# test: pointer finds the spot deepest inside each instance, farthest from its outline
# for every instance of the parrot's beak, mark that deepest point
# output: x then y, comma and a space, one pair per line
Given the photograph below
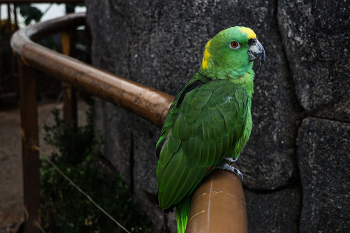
256, 50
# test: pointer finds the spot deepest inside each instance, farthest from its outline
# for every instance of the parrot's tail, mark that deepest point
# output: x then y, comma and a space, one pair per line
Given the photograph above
182, 212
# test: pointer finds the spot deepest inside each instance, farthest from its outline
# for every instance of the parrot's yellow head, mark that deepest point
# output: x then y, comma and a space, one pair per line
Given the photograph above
230, 54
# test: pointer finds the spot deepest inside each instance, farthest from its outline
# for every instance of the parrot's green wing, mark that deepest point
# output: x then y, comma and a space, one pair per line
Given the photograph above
204, 124
197, 81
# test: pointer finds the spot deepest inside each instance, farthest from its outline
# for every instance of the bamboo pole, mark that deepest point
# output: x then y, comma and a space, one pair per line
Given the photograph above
218, 205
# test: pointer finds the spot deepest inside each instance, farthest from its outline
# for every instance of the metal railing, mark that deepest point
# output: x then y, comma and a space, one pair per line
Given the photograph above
218, 205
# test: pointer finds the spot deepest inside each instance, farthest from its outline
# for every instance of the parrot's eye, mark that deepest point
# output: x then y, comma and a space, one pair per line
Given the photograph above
234, 45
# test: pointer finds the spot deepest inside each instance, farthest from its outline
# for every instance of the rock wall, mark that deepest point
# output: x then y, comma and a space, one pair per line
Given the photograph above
296, 164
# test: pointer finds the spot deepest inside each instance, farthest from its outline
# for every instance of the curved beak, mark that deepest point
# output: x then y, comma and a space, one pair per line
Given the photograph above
256, 50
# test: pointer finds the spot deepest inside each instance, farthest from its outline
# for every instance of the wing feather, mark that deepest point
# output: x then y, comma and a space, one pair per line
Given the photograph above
189, 146
191, 182
183, 186
206, 126
170, 169
173, 183
205, 153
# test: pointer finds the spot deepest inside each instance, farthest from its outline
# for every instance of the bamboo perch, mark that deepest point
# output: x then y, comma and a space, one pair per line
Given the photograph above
218, 205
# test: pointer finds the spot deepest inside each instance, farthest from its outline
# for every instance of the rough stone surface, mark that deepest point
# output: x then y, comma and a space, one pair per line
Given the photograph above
324, 162
117, 143
109, 53
277, 212
316, 40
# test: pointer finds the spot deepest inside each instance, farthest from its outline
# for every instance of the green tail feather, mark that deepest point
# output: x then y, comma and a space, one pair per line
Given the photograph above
182, 212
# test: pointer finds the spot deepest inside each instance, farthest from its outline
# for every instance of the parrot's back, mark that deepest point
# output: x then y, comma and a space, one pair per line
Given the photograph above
209, 124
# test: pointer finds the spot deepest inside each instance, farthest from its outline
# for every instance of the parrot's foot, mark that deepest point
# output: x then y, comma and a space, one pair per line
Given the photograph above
231, 169
231, 160
228, 167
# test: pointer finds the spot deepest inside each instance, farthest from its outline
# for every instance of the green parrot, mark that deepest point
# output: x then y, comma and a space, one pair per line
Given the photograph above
209, 120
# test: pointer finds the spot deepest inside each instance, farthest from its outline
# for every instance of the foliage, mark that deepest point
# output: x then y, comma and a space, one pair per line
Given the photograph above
70, 7
30, 13
66, 209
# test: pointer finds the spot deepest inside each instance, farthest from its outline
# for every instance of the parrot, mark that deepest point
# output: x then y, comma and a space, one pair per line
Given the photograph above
209, 121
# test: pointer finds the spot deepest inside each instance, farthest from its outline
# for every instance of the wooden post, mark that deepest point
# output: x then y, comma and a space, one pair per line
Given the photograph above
218, 205
15, 16
70, 96
30, 144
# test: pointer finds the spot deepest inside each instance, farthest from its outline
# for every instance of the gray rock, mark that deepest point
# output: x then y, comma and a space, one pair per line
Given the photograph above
277, 212
118, 144
316, 39
324, 162
108, 53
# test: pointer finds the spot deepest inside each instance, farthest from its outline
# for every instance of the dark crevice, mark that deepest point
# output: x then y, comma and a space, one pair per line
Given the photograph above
296, 181
304, 114
107, 163
298, 109
292, 185
297, 106
285, 57
104, 122
279, 211
327, 118
166, 228
274, 16
298, 172
132, 163
151, 199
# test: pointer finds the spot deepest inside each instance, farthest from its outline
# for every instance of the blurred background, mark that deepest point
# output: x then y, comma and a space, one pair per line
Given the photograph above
12, 18
22, 15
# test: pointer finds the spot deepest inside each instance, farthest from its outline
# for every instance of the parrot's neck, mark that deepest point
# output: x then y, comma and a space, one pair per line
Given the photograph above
243, 76
246, 81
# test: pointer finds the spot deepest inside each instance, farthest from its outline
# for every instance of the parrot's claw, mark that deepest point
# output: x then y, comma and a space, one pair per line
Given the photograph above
231, 160
238, 173
231, 169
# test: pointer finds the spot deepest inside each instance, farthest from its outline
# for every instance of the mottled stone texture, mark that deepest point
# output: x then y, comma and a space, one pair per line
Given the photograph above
324, 162
277, 212
160, 43
316, 38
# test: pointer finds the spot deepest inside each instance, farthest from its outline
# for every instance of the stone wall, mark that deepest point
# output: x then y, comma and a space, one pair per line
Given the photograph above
296, 164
